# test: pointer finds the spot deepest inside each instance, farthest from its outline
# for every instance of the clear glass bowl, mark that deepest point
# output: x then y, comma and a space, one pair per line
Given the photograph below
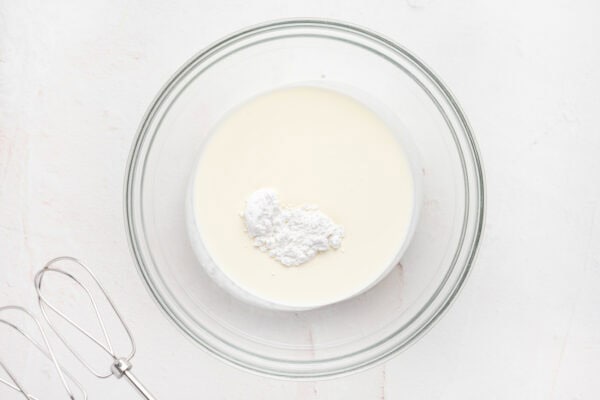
343, 337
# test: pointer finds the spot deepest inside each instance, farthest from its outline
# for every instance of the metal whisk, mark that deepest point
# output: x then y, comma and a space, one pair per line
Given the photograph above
120, 365
45, 348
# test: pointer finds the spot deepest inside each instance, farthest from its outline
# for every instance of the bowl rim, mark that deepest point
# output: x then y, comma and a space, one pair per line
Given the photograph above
471, 252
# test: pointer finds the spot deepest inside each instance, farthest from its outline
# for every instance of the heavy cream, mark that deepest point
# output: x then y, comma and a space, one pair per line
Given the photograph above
313, 146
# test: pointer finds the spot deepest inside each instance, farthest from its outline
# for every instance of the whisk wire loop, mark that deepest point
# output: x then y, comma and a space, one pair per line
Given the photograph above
45, 305
45, 348
120, 366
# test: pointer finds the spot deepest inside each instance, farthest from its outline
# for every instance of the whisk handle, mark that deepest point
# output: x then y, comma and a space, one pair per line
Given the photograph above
122, 368
138, 386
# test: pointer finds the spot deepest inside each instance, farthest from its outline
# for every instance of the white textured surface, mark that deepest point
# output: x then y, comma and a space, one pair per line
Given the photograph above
76, 77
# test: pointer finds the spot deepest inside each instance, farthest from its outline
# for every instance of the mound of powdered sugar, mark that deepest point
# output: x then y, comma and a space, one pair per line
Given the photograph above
291, 235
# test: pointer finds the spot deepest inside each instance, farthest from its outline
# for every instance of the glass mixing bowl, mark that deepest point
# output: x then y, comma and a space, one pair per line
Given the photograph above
343, 337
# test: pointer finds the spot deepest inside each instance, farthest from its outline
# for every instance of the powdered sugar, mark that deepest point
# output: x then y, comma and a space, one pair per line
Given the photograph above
291, 235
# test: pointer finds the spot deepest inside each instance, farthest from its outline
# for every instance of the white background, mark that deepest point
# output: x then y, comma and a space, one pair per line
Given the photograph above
76, 78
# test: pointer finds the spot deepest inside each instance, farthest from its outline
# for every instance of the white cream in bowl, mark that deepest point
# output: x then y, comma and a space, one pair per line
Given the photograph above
345, 188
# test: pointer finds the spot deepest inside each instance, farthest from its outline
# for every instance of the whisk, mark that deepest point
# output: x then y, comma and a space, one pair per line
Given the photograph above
45, 348
120, 364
